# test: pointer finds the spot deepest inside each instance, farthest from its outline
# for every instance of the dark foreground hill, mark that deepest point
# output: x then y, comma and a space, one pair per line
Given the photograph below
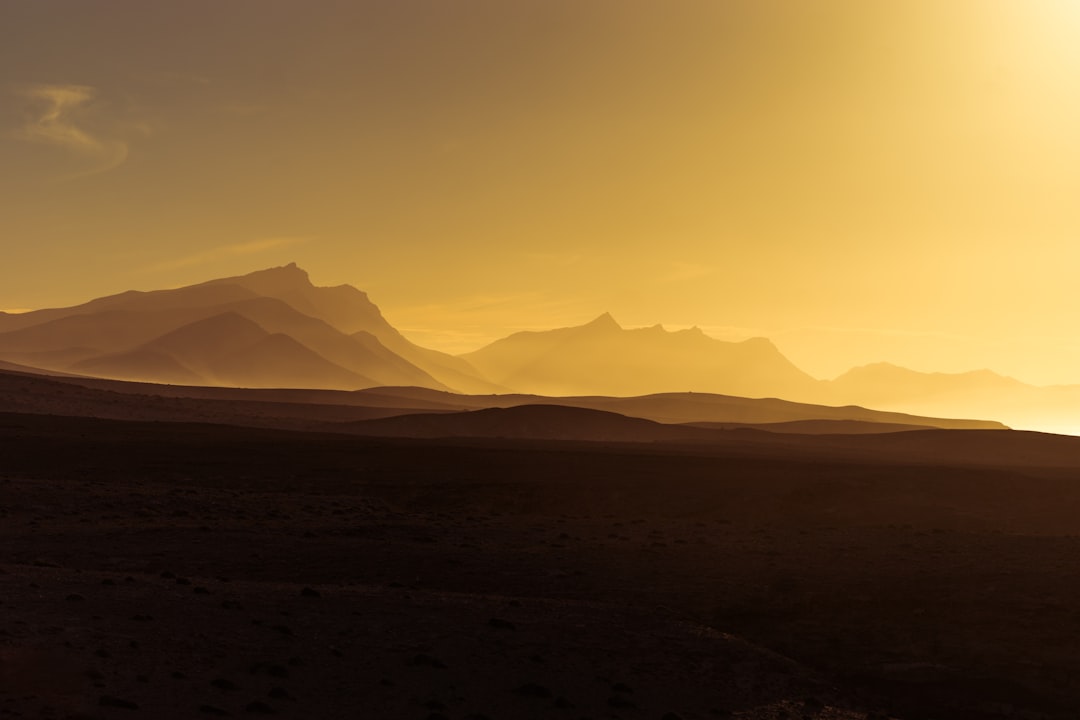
687, 407
174, 570
533, 422
314, 409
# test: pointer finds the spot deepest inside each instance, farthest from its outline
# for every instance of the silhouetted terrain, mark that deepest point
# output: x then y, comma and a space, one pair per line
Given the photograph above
271, 328
673, 408
533, 422
980, 393
180, 570
602, 358
314, 409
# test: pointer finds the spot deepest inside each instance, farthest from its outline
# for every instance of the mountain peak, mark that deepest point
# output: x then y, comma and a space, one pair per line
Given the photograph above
272, 281
604, 322
292, 271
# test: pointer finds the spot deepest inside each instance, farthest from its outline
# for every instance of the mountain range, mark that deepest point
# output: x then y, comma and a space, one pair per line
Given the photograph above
275, 329
272, 328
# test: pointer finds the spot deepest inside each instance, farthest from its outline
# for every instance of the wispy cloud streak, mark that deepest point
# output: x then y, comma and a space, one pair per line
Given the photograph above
53, 118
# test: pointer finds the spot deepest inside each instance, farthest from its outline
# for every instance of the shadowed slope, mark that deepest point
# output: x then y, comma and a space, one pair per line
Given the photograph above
281, 361
179, 298
672, 408
142, 365
349, 310
225, 349
819, 427
120, 400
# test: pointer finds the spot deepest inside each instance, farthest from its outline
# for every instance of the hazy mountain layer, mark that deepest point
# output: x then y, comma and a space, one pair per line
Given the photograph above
602, 358
274, 328
219, 333
976, 394
351, 312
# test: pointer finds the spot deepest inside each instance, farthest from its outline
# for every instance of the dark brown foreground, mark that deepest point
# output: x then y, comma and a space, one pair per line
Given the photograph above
177, 571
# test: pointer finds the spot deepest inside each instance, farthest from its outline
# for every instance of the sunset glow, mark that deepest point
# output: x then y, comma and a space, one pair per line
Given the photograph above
859, 181
474, 359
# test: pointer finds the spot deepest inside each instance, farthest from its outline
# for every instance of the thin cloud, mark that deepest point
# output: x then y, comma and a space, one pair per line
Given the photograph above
226, 252
54, 118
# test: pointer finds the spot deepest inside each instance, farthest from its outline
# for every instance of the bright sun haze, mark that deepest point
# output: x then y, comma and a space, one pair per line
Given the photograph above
858, 180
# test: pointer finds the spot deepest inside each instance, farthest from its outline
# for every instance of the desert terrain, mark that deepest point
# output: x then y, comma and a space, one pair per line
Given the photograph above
157, 568
254, 496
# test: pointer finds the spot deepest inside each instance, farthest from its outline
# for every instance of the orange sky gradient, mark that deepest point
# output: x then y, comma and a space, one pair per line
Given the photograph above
859, 180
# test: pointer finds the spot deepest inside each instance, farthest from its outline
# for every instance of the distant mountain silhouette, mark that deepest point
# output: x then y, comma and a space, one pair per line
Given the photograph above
979, 393
349, 310
194, 335
602, 358
884, 382
274, 328
226, 349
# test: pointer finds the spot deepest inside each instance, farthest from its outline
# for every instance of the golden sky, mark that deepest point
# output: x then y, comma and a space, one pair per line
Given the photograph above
859, 180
